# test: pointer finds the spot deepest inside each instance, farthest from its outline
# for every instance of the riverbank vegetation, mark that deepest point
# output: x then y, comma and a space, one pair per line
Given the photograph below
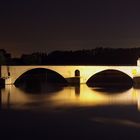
97, 56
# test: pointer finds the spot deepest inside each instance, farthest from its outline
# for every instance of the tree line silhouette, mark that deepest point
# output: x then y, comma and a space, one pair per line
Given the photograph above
97, 56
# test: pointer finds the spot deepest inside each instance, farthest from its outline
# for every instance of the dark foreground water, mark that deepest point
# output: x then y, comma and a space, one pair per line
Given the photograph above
69, 113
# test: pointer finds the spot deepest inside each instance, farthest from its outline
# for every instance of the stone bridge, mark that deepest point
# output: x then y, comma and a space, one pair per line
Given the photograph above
12, 73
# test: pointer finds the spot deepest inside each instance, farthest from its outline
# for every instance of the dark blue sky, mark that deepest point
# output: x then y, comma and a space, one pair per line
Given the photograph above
30, 26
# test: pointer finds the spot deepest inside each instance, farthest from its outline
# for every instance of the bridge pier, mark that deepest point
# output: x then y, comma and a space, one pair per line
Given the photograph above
74, 81
136, 81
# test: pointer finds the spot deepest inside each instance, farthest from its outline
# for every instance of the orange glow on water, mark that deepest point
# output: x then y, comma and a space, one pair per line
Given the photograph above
82, 96
91, 97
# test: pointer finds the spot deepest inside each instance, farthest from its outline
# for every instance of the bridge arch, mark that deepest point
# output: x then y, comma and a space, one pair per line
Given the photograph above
50, 75
109, 77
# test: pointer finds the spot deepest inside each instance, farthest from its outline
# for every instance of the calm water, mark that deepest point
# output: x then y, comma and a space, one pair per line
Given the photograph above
52, 97
56, 112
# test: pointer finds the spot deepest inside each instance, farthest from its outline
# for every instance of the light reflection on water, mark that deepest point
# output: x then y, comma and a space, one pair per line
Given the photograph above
82, 96
69, 110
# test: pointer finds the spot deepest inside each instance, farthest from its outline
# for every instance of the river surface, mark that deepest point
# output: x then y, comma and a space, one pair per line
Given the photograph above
76, 112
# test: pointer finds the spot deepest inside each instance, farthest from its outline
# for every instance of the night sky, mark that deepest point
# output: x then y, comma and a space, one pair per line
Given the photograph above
31, 26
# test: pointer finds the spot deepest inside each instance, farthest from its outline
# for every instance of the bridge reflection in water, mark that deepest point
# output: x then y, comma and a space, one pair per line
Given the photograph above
69, 111
78, 96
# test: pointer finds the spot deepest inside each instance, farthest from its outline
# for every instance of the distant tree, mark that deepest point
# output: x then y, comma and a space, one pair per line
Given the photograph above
5, 58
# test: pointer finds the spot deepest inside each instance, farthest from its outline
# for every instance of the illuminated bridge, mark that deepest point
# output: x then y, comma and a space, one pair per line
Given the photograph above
12, 73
